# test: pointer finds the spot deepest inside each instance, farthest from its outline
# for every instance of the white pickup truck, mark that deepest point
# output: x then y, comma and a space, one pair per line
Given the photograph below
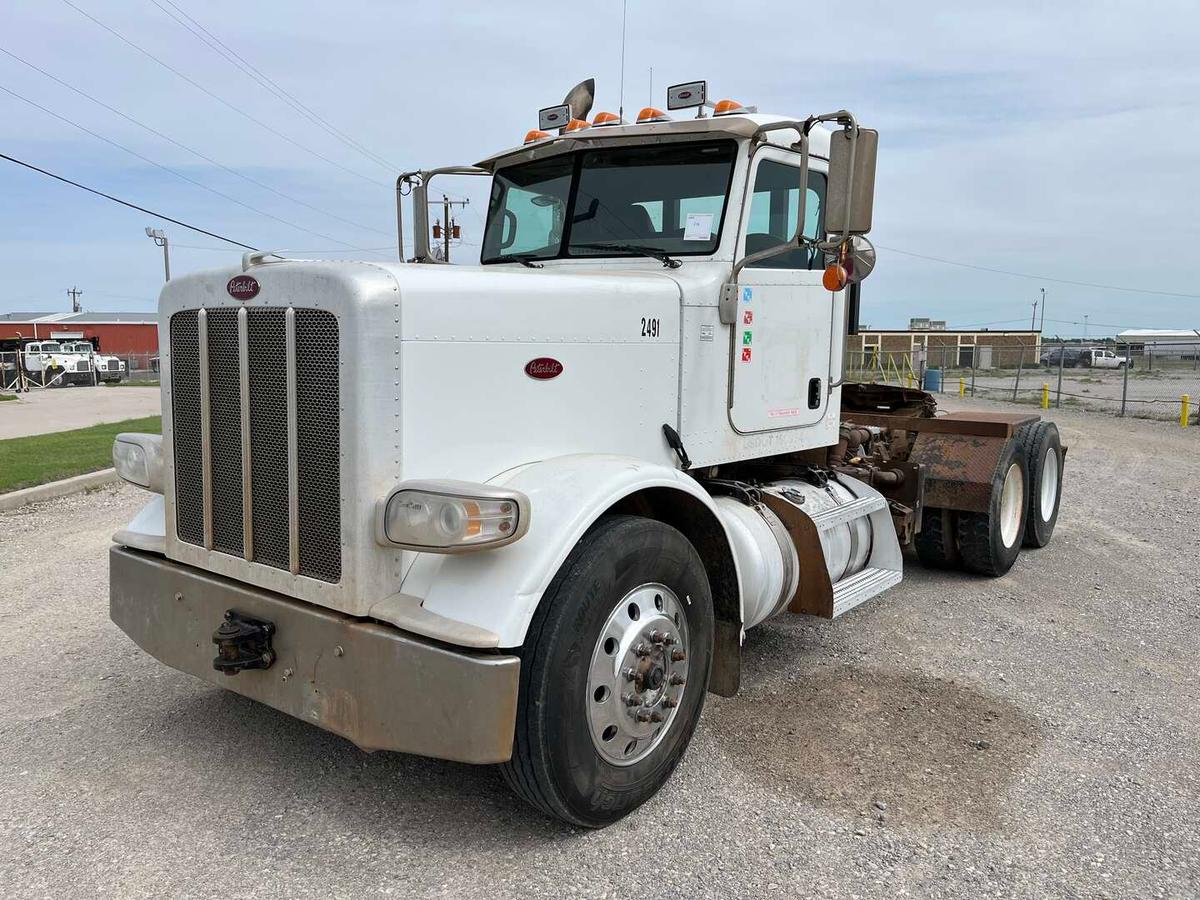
525, 511
1103, 359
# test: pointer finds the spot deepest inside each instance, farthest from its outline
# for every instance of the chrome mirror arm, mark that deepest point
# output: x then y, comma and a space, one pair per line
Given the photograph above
418, 185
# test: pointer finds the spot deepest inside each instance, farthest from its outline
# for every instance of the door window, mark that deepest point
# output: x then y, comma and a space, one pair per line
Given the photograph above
774, 207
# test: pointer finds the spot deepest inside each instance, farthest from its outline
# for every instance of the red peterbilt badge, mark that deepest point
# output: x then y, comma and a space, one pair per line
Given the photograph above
242, 287
543, 367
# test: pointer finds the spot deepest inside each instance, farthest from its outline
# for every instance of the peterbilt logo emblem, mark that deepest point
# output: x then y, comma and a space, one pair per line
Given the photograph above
543, 367
242, 287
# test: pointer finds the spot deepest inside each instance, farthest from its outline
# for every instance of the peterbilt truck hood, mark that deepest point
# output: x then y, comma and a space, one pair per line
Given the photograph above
330, 383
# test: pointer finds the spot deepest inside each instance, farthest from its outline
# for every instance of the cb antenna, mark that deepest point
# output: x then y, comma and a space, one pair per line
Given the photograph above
621, 90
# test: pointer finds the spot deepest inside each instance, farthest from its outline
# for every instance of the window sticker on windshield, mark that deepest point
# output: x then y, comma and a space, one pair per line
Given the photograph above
697, 227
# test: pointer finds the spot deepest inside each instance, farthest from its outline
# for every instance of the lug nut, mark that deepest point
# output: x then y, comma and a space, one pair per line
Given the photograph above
656, 716
643, 715
659, 637
629, 672
669, 702
677, 679
678, 655
631, 699
641, 649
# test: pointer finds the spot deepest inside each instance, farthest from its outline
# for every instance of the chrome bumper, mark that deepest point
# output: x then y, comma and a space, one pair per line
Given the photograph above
378, 686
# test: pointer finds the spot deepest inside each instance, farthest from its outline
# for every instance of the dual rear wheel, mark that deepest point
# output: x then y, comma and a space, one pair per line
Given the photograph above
1022, 509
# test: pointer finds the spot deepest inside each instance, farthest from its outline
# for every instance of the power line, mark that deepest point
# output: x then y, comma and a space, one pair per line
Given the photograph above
171, 171
220, 99
182, 146
240, 62
1087, 284
141, 209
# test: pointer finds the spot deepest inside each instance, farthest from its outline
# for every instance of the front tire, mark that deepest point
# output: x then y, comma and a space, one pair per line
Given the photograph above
614, 671
990, 541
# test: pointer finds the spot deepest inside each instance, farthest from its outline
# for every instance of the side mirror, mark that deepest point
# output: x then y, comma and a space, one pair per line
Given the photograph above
850, 196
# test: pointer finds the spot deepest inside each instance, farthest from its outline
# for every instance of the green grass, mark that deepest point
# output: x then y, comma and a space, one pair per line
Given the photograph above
8, 397
26, 461
147, 383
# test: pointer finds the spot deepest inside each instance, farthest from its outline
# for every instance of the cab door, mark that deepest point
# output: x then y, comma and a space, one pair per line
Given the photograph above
782, 335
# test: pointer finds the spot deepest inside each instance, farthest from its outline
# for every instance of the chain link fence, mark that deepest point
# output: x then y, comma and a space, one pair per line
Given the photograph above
1143, 379
22, 371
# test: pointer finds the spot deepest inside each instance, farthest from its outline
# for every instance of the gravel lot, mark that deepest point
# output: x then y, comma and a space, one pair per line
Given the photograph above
1037, 735
61, 409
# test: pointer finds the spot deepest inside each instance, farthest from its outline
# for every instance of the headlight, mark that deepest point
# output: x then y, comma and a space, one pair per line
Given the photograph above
451, 516
138, 460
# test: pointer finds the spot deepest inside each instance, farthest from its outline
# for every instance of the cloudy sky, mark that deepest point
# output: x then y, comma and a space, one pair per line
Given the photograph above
1055, 139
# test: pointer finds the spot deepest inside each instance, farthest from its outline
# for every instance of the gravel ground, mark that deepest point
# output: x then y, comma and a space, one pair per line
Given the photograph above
1036, 735
61, 409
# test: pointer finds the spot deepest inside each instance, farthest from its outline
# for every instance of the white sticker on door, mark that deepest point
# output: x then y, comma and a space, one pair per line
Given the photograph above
697, 227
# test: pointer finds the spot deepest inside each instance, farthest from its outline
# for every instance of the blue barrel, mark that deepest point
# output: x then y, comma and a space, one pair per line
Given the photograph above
933, 380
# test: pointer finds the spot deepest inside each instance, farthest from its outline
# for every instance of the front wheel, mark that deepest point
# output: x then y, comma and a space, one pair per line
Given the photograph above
613, 673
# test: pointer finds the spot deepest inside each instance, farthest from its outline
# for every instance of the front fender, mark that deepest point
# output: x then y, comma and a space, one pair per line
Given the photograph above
499, 590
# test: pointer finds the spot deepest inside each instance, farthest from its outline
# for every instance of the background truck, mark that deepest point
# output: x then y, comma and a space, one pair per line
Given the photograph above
107, 368
53, 364
1103, 359
524, 512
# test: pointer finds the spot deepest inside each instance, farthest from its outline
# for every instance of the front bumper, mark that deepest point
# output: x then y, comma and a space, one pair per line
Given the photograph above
372, 683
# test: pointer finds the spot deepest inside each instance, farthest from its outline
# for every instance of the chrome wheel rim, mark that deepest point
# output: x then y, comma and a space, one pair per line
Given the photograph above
1049, 485
1011, 495
638, 674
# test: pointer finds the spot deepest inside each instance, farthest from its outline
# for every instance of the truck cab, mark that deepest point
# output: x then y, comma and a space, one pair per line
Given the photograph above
524, 511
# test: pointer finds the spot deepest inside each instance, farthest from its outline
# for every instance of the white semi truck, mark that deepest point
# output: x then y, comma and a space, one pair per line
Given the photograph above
524, 512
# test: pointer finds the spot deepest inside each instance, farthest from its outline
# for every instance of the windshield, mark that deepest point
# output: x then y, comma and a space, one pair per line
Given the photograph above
50, 348
615, 201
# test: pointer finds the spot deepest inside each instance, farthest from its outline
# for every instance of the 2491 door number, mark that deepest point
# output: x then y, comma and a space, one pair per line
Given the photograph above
651, 327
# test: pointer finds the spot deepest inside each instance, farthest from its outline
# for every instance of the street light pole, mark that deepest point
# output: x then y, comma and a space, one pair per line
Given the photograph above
1043, 325
160, 239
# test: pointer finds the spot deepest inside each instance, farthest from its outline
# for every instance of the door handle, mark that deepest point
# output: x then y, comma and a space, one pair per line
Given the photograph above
814, 393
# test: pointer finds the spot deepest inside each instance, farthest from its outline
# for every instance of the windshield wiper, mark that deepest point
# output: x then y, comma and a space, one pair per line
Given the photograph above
662, 257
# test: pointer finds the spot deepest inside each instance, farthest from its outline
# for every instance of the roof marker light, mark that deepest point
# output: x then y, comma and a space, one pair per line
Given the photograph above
575, 125
605, 118
650, 114
728, 108
535, 135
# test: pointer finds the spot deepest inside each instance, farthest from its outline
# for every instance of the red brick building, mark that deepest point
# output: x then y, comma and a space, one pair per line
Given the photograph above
116, 333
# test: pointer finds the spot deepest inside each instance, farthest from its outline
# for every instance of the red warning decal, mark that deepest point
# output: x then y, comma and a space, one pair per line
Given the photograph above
748, 317
746, 354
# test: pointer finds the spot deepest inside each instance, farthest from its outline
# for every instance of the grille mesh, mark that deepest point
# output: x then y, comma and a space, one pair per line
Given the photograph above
185, 425
317, 443
317, 436
225, 430
268, 436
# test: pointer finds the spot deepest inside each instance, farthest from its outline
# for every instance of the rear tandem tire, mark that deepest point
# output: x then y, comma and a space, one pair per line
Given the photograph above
585, 622
1044, 461
937, 543
990, 541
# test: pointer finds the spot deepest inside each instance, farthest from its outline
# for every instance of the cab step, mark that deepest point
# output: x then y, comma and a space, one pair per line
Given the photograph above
850, 592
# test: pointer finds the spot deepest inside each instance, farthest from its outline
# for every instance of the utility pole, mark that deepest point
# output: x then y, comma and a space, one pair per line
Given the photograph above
74, 293
451, 228
1033, 318
160, 239
1043, 325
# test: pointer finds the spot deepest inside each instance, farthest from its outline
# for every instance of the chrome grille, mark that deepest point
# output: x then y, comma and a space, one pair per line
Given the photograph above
277, 501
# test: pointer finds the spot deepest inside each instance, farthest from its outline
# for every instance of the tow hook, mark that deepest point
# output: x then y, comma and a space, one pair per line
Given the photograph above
243, 643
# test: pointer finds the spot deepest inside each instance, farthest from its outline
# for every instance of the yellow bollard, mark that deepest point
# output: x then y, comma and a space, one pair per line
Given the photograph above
1184, 402
962, 386
1045, 395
